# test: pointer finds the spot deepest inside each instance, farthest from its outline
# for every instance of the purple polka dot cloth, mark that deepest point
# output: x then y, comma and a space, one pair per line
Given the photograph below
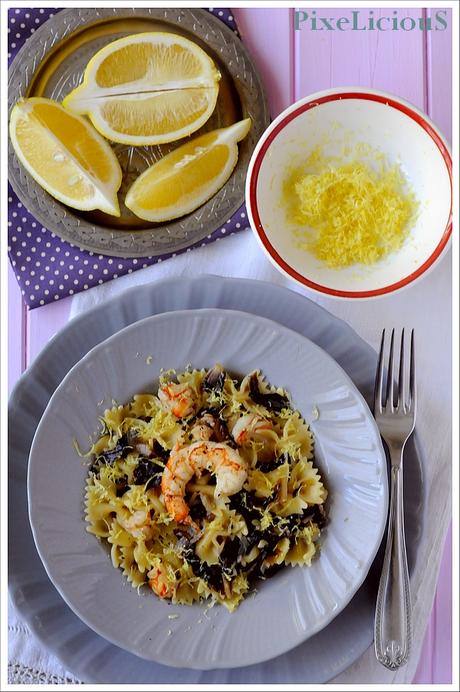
46, 267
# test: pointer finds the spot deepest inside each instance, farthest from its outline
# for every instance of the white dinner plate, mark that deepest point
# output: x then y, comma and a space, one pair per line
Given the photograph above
287, 609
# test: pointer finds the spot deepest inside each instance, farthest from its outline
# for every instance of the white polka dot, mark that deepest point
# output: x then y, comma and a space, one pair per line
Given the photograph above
115, 276
27, 15
33, 249
75, 282
105, 271
17, 11
66, 276
37, 21
42, 302
85, 261
56, 297
95, 266
37, 287
42, 277
32, 297
71, 266
243, 215
14, 213
90, 276
80, 271
134, 261
27, 282
71, 292
22, 25
110, 261
47, 244
100, 281
238, 225
29, 234
144, 266
42, 11
61, 287
222, 230
34, 225
9, 223
120, 266
220, 14
61, 263
56, 272
130, 271
230, 18
51, 282
12, 20
209, 237
32, 273
85, 286
67, 254
46, 292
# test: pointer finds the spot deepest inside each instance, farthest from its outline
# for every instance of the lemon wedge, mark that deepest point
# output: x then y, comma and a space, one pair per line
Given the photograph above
148, 88
65, 155
187, 177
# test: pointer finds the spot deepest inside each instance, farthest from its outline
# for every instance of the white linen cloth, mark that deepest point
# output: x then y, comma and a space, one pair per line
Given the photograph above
426, 306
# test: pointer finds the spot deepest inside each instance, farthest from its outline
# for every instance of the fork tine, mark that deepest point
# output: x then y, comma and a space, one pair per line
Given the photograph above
390, 374
412, 384
379, 378
402, 389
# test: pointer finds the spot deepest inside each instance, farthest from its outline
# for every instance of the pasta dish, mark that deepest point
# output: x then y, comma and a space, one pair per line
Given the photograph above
205, 487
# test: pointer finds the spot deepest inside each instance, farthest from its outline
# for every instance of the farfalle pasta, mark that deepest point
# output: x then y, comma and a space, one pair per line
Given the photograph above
205, 487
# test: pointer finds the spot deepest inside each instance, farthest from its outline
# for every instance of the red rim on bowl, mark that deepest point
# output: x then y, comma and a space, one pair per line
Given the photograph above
254, 210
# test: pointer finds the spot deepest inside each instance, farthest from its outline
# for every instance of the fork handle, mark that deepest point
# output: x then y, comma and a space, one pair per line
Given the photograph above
393, 631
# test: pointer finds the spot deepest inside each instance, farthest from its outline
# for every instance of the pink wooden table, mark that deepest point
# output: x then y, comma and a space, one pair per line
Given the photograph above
413, 64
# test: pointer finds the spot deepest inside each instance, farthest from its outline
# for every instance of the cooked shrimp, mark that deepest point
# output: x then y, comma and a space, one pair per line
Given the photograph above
179, 399
183, 464
137, 524
158, 582
209, 427
253, 428
204, 427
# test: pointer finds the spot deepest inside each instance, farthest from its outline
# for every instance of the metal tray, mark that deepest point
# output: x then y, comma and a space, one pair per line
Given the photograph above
51, 64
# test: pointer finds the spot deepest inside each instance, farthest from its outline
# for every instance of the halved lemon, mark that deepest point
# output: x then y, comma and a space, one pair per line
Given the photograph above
148, 88
187, 177
65, 155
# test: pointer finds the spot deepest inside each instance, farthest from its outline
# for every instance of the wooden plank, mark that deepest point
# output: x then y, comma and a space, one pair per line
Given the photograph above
388, 60
16, 330
43, 323
439, 74
264, 31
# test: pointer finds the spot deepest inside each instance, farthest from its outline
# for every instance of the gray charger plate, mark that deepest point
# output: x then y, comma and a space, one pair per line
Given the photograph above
90, 657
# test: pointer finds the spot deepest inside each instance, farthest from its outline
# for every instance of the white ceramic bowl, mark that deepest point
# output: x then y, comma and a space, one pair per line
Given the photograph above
288, 608
403, 134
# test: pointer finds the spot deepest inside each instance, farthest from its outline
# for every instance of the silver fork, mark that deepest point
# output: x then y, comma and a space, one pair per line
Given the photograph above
394, 412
